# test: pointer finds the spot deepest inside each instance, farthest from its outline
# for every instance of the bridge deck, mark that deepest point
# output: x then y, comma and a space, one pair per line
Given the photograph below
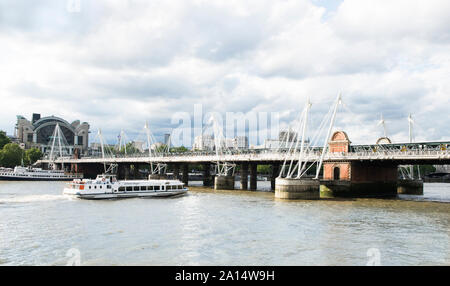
400, 157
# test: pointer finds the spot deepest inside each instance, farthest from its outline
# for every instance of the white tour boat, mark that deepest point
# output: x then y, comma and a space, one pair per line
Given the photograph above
36, 174
106, 186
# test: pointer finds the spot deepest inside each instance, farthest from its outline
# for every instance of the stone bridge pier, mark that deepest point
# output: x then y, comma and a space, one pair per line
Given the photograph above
207, 179
356, 178
244, 176
185, 173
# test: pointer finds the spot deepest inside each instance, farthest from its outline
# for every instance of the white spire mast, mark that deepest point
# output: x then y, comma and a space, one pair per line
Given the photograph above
410, 123
410, 127
102, 146
149, 141
383, 123
122, 142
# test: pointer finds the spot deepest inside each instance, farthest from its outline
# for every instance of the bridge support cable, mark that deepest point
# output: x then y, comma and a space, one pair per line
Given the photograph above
301, 151
300, 125
223, 168
59, 141
155, 151
292, 150
107, 154
327, 138
122, 142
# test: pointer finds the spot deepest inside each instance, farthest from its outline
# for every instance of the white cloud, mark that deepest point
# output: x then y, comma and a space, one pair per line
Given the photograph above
118, 63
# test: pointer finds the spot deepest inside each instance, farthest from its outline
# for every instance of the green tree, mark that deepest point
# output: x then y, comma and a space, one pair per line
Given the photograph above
11, 156
3, 139
180, 149
130, 149
32, 155
264, 169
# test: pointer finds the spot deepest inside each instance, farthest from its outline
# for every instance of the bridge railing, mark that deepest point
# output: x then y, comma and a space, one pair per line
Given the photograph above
268, 155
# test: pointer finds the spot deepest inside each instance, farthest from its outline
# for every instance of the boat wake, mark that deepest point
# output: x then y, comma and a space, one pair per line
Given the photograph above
31, 199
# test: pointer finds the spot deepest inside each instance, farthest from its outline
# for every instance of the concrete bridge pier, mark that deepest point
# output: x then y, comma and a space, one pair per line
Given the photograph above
275, 172
176, 171
123, 172
207, 180
224, 183
185, 174
410, 187
253, 176
297, 189
244, 176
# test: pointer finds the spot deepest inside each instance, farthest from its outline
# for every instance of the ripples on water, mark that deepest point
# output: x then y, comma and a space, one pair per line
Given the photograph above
38, 226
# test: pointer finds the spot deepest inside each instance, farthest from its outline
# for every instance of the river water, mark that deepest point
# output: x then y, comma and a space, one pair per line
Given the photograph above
39, 226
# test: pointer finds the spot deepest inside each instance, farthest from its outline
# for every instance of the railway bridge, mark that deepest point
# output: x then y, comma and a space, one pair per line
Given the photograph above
346, 170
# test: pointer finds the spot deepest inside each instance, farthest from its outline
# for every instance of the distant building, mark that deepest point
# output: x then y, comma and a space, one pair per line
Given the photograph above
203, 143
286, 139
38, 132
239, 142
96, 149
287, 136
207, 143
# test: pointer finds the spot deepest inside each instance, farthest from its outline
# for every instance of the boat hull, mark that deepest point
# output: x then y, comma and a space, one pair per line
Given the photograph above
122, 195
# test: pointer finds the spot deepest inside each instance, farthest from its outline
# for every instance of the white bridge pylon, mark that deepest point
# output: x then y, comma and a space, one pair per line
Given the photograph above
301, 149
60, 143
223, 168
122, 142
106, 152
155, 151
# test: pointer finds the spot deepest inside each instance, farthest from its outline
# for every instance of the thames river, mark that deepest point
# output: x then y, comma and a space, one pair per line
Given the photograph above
39, 226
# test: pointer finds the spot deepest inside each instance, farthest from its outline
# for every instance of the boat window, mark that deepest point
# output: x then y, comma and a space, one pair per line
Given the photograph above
180, 187
129, 189
168, 187
143, 188
136, 188
108, 186
157, 188
121, 189
89, 187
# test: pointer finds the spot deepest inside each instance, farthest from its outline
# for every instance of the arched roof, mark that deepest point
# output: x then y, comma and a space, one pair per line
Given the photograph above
384, 140
339, 136
50, 120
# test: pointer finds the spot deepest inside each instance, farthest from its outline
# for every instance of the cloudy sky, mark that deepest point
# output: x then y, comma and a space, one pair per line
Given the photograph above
118, 63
